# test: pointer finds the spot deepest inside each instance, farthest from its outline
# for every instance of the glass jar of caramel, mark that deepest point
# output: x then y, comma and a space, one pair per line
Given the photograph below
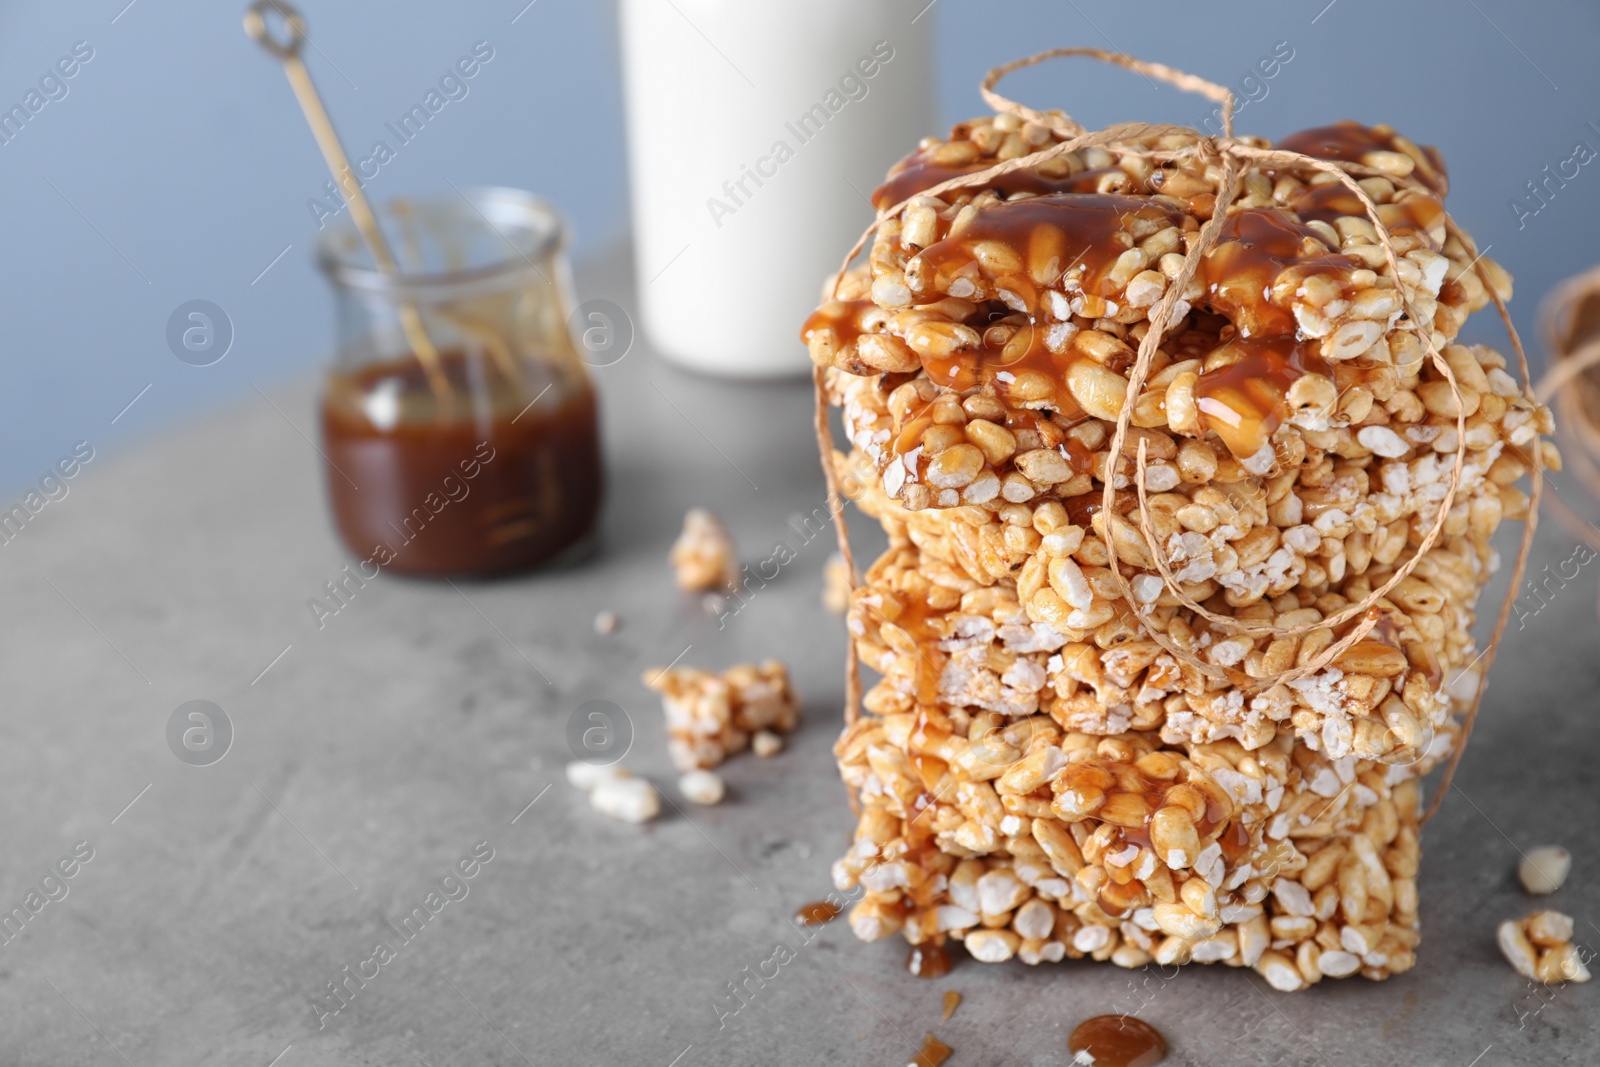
459, 425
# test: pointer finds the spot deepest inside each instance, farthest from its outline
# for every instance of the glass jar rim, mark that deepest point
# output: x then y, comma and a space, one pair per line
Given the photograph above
498, 210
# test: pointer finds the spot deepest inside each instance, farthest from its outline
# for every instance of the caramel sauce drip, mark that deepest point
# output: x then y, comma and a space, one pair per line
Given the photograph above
1081, 509
916, 619
931, 771
1001, 368
1348, 141
1009, 253
918, 172
1244, 402
1123, 893
928, 961
1124, 777
1262, 257
1247, 274
920, 837
952, 1001
1410, 212
1047, 236
1235, 842
1385, 630
817, 913
932, 1054
1118, 1041
844, 317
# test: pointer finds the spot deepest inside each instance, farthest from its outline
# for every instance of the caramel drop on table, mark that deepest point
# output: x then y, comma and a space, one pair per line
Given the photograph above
932, 1054
817, 913
1117, 1041
952, 1000
928, 961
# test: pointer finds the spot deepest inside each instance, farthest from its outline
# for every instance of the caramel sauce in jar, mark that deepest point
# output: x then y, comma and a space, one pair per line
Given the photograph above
1118, 1041
483, 483
928, 961
816, 913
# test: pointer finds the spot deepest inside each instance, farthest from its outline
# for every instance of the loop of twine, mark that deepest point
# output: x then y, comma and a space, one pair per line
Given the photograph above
1232, 152
1470, 715
824, 431
1573, 356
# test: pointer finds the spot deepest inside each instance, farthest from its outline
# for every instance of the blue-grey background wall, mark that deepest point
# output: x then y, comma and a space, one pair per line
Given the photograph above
177, 167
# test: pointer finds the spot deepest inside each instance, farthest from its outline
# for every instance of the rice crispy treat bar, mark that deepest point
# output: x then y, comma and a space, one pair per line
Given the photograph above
713, 716
937, 635
985, 344
1030, 842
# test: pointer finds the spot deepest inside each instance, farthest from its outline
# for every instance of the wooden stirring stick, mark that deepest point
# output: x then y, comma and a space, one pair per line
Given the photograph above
305, 91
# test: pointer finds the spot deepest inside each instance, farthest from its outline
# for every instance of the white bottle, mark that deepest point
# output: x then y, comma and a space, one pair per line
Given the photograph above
757, 130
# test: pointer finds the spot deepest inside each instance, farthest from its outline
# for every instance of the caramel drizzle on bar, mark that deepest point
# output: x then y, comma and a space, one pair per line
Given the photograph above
918, 171
1013, 249
1350, 142
1138, 796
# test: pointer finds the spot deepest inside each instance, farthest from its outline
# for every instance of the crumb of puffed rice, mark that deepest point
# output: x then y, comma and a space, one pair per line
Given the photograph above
606, 622
1540, 947
1543, 869
714, 604
628, 799
702, 787
703, 556
766, 743
712, 716
588, 776
836, 585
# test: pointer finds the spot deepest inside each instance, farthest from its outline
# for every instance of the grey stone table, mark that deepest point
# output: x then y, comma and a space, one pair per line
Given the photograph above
374, 753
